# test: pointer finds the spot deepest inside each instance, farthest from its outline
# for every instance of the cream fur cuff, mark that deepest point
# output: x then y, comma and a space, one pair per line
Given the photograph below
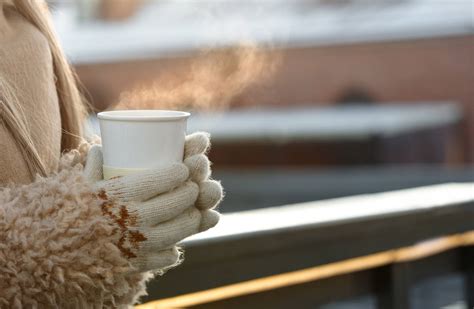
57, 250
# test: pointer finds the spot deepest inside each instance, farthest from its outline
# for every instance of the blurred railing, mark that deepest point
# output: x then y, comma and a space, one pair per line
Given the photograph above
315, 253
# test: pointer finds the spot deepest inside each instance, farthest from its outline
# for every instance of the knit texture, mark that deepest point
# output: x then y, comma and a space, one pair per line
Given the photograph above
57, 250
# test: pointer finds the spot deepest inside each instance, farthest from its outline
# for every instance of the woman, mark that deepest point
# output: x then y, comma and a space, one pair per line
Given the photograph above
68, 238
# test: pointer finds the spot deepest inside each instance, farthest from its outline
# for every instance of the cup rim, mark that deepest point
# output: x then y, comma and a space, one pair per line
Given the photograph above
143, 115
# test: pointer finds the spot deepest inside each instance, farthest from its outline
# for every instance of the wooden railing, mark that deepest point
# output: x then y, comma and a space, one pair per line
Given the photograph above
316, 253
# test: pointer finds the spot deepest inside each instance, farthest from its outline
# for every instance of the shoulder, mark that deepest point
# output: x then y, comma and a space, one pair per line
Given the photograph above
26, 64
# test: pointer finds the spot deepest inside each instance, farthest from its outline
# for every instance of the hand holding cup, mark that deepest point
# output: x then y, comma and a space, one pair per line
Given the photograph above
156, 199
155, 209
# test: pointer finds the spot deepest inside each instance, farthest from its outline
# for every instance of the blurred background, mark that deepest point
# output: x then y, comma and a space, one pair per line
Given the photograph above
306, 100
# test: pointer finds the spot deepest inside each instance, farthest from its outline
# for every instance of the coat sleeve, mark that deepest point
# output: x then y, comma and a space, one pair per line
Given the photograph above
57, 250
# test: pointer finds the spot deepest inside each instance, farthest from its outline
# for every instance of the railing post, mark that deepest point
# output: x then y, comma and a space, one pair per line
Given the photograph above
468, 266
393, 286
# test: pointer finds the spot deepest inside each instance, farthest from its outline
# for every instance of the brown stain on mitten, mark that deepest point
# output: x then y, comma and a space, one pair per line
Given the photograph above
136, 238
129, 239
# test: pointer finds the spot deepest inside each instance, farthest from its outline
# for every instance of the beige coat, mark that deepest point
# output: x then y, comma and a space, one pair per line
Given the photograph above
25, 61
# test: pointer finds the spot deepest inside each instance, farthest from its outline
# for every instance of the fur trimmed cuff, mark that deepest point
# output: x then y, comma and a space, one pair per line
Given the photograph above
57, 250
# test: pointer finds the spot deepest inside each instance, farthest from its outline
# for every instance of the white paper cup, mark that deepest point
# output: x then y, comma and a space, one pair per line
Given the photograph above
137, 140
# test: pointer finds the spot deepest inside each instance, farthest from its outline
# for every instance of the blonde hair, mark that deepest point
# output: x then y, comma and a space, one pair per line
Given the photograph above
71, 103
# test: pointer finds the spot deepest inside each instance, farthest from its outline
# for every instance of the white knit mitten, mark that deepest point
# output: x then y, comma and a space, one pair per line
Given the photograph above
155, 209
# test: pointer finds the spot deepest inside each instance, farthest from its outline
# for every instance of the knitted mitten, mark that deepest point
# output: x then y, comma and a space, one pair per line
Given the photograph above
154, 210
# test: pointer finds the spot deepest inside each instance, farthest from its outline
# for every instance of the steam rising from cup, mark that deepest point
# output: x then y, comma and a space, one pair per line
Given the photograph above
211, 81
